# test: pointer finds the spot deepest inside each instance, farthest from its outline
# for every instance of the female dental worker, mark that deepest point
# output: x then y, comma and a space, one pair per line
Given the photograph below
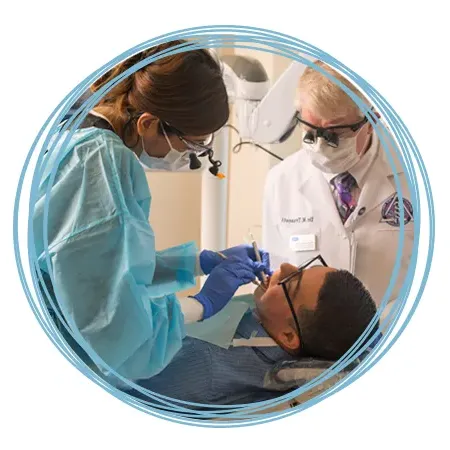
109, 285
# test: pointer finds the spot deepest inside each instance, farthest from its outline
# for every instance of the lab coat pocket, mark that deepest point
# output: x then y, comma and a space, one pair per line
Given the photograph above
387, 243
388, 240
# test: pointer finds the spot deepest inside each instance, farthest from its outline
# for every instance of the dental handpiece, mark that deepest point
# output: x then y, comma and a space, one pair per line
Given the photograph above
258, 257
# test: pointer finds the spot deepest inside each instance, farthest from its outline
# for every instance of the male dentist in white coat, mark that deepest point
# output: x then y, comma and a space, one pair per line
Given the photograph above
337, 195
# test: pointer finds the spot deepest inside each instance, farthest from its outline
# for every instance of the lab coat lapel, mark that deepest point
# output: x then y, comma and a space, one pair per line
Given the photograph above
377, 187
316, 189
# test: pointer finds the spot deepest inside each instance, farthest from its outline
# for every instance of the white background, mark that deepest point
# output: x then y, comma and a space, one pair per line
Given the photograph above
398, 47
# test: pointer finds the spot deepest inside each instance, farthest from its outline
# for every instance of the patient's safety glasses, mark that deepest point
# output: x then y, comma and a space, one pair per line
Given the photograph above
298, 274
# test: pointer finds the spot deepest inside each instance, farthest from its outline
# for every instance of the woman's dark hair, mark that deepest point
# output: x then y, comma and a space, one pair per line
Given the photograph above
185, 90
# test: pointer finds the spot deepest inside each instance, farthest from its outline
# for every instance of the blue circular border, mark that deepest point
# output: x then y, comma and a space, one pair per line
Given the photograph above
212, 37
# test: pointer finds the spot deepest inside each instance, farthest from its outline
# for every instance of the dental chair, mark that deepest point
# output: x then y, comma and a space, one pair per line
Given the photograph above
291, 375
287, 376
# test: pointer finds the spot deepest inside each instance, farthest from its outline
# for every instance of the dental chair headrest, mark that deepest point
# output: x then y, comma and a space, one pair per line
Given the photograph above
289, 375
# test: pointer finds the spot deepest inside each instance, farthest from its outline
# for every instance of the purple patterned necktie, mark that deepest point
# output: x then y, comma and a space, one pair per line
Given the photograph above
346, 194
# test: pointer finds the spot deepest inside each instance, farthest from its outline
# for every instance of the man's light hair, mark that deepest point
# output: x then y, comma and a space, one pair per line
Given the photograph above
324, 96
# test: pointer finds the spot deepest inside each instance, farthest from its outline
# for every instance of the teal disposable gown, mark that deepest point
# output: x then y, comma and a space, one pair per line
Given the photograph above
110, 283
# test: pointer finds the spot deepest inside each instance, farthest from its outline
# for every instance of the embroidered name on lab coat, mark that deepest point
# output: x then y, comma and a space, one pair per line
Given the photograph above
297, 220
390, 211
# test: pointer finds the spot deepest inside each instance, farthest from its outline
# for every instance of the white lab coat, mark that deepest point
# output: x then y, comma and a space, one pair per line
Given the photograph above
300, 220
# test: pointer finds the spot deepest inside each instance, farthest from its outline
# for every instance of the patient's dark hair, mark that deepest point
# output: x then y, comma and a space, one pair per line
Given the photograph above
344, 310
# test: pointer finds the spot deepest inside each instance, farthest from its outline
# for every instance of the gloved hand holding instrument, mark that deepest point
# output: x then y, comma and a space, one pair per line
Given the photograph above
223, 282
244, 252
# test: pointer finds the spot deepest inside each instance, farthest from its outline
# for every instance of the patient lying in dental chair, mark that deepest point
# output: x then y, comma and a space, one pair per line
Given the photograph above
313, 314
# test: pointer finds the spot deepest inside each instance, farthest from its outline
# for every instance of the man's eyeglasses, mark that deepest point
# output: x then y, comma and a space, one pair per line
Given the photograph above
283, 283
330, 134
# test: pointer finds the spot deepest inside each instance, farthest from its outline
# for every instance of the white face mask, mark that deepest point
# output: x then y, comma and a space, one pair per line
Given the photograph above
172, 162
333, 160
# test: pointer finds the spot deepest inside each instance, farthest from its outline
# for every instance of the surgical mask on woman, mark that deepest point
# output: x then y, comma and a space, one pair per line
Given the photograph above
172, 162
333, 160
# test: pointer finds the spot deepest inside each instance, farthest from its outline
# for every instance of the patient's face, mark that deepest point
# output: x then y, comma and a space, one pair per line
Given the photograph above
272, 306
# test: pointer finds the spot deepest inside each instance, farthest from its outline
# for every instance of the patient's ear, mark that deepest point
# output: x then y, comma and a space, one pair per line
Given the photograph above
289, 339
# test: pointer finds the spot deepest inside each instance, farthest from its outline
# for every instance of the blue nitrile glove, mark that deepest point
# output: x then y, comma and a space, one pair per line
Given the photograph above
223, 282
244, 252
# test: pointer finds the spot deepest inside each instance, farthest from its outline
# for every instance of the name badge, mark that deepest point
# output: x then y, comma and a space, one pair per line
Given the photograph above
302, 242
